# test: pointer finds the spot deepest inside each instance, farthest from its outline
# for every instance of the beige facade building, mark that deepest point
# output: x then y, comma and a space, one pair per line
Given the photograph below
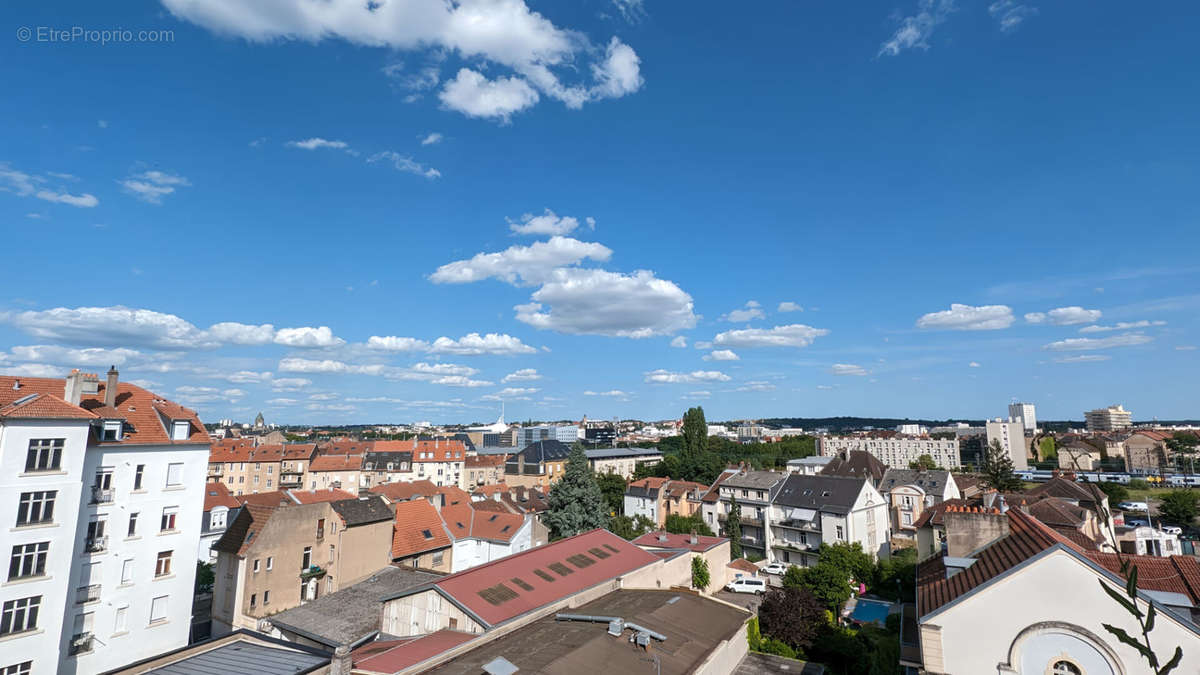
1112, 418
273, 558
247, 469
483, 470
1146, 451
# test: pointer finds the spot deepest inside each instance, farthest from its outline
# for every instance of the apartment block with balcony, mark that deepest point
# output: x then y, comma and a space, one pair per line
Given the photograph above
895, 451
753, 491
808, 511
275, 557
102, 487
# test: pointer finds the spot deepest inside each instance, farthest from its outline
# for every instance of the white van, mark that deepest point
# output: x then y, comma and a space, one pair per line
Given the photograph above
747, 585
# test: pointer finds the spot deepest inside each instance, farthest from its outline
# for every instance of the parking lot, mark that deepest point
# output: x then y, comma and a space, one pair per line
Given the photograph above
747, 600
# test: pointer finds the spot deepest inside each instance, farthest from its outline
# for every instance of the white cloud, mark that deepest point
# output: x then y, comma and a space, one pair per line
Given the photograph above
67, 356
915, 30
793, 335
824, 387
29, 185
721, 355
392, 343
1010, 14
662, 376
697, 394
432, 139
405, 164
443, 369
110, 326
317, 144
461, 381
548, 223
680, 342
474, 95
522, 375
1083, 358
615, 393
749, 312
619, 73
632, 10
1186, 348
973, 364
1086, 344
1064, 316
474, 343
282, 401
1122, 325
290, 383
247, 377
308, 336
521, 265
599, 302
152, 186
756, 385
703, 344
299, 365
242, 334
848, 369
789, 306
509, 393
966, 317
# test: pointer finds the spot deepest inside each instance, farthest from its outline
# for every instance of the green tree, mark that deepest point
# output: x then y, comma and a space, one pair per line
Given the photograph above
733, 529
204, 576
1115, 491
612, 486
793, 615
998, 469
700, 575
850, 559
923, 463
680, 524
1047, 450
695, 443
575, 503
829, 583
1178, 506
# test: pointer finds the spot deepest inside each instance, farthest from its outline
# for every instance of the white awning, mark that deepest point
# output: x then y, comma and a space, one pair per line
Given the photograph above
804, 514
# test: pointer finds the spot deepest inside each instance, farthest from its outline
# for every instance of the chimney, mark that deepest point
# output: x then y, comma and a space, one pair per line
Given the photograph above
110, 388
341, 663
73, 388
969, 529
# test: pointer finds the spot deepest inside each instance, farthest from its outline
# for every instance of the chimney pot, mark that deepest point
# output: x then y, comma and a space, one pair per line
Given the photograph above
110, 388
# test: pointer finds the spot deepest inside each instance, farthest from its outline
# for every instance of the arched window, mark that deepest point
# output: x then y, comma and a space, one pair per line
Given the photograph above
1065, 668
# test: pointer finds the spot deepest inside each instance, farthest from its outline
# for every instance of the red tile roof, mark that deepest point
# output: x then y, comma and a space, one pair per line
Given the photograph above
668, 540
933, 514
240, 536
295, 451
344, 447
393, 656
402, 491
714, 491
743, 565
216, 494
317, 496
336, 463
441, 451
491, 506
146, 415
464, 522
485, 461
272, 498
413, 520
1175, 574
453, 495
573, 564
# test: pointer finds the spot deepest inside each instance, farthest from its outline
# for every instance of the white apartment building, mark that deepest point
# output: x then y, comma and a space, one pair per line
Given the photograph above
440, 462
101, 497
895, 452
810, 510
1010, 434
1024, 413
1112, 418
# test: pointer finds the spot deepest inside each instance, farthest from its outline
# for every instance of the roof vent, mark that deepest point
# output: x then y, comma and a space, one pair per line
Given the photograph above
662, 536
616, 627
499, 666
16, 385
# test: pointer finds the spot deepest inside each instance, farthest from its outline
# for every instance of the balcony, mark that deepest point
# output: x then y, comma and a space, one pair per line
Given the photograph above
802, 525
794, 546
102, 495
287, 479
86, 594
312, 571
81, 643
216, 470
95, 544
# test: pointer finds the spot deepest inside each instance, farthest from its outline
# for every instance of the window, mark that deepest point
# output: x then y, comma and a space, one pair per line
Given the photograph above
121, 618
256, 566
437, 557
168, 518
180, 430
45, 454
20, 615
1065, 668
253, 600
840, 532
269, 482
256, 480
28, 560
158, 609
270, 469
266, 597
111, 431
908, 519
175, 474
36, 507
320, 528
162, 567
96, 541
306, 559
133, 517
270, 562
137, 476
127, 571
331, 551
23, 668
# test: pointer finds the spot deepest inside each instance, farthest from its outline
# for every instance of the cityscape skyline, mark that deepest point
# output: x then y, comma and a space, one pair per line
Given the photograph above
598, 217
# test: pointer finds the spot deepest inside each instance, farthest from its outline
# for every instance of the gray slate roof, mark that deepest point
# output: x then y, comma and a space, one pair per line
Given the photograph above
344, 616
362, 510
754, 480
609, 453
933, 482
245, 657
833, 494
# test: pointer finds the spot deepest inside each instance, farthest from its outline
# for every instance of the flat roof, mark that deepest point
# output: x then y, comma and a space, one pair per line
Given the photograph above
681, 541
693, 625
607, 453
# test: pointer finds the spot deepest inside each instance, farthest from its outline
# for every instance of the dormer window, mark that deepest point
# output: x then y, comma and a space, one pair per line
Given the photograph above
180, 430
113, 430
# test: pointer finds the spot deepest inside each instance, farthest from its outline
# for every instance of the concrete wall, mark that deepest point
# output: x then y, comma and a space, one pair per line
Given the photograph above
727, 655
361, 551
425, 612
429, 560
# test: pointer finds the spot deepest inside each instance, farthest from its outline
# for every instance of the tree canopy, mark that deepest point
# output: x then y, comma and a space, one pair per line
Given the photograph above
733, 529
793, 615
923, 463
1178, 507
575, 503
998, 469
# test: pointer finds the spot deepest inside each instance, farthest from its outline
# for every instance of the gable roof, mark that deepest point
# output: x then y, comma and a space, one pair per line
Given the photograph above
933, 515
755, 480
241, 532
317, 496
833, 494
1067, 489
362, 510
216, 494
1054, 511
858, 464
393, 656
548, 450
464, 522
402, 491
43, 406
933, 482
714, 491
417, 529
335, 463
547, 574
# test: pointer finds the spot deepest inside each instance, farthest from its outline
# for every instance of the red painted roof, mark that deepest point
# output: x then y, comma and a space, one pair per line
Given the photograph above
392, 656
668, 540
216, 494
619, 557
413, 519
464, 522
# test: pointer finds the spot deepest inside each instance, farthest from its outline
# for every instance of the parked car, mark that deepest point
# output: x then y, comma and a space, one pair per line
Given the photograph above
1133, 506
775, 568
747, 585
1172, 529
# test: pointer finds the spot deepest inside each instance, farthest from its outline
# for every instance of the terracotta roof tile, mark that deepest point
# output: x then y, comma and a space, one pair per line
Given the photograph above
317, 496
336, 463
464, 522
216, 494
402, 491
418, 529
43, 406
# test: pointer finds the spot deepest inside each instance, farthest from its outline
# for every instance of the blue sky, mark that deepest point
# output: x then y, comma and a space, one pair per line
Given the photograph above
290, 210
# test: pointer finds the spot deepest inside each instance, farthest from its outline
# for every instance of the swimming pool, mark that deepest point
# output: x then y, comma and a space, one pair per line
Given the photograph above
867, 611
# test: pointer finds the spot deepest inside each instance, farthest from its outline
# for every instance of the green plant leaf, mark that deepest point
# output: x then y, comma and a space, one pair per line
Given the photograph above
1131, 582
1125, 637
1149, 619
1129, 606
1173, 663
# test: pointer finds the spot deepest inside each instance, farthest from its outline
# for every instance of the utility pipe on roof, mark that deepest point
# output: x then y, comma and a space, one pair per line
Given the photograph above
608, 619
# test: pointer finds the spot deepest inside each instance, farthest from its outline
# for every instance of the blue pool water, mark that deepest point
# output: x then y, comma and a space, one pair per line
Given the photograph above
871, 610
